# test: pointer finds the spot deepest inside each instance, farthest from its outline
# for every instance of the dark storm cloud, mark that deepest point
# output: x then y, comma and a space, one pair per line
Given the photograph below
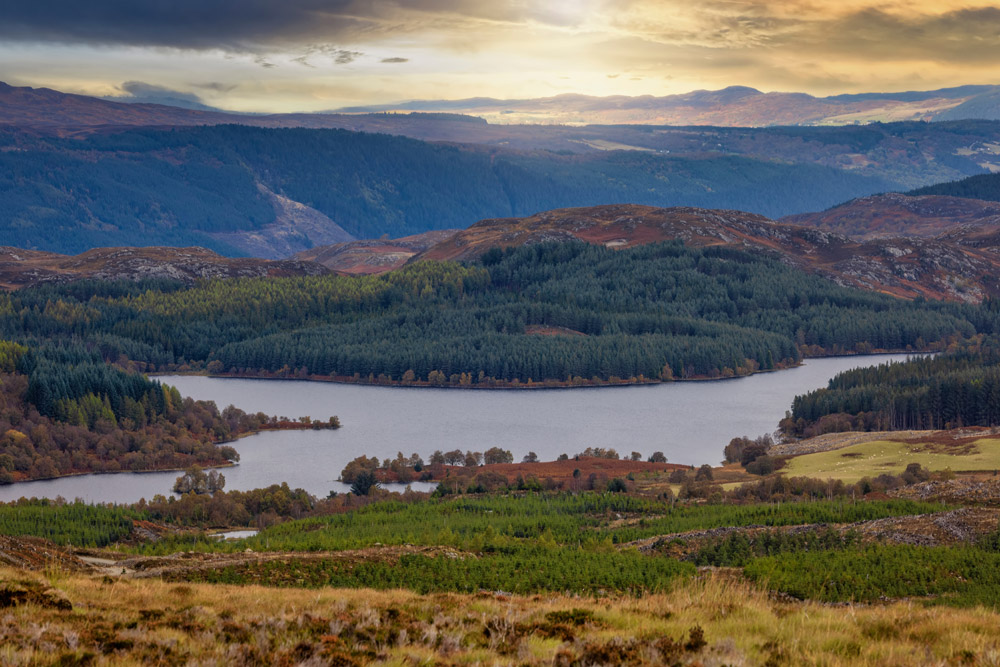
238, 25
242, 25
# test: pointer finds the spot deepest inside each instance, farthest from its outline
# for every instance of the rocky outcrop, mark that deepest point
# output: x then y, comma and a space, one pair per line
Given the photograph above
296, 227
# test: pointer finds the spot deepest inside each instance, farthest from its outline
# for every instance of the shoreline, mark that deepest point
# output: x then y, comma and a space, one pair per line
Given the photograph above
205, 466
539, 385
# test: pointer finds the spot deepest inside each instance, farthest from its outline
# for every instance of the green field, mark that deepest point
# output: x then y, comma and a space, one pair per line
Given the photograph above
874, 458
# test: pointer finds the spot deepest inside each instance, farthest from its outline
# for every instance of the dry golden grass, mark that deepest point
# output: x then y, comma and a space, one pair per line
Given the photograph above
139, 622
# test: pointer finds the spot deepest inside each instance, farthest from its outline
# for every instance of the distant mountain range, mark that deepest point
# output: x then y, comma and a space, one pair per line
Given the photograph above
736, 106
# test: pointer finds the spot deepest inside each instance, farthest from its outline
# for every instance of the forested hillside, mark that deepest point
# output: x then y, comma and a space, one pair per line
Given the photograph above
64, 410
565, 313
198, 186
958, 388
983, 186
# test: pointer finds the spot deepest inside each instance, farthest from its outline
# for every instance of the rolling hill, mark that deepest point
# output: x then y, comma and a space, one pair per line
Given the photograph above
902, 267
893, 214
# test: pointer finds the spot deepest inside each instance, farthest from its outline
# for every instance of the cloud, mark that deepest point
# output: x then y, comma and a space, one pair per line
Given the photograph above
232, 25
485, 47
148, 93
216, 86
252, 26
965, 35
343, 57
852, 30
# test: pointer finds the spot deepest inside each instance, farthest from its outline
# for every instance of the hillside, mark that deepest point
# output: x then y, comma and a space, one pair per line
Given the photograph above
270, 193
909, 154
372, 255
20, 268
539, 315
906, 268
982, 186
893, 214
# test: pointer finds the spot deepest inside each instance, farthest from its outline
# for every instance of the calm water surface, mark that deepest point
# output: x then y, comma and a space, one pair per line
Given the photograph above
690, 422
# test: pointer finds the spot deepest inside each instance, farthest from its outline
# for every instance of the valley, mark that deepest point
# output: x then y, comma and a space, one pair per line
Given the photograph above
568, 379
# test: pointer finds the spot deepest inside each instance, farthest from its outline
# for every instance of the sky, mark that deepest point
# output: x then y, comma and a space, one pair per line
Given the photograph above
314, 55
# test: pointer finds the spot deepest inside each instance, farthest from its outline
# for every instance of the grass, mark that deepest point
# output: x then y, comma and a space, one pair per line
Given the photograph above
154, 622
871, 459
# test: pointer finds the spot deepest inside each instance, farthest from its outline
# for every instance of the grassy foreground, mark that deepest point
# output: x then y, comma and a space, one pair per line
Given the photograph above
713, 619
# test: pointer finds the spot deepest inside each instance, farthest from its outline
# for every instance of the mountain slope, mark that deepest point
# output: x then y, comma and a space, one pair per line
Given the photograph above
372, 256
906, 155
242, 190
893, 214
982, 186
21, 268
902, 267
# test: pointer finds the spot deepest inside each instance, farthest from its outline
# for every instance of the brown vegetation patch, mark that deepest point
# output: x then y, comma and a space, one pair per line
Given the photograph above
25, 592
966, 525
962, 526
183, 566
830, 441
966, 489
20, 268
952, 448
33, 553
546, 330
562, 471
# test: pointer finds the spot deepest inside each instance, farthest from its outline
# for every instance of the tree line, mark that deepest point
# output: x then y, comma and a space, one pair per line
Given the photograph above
960, 387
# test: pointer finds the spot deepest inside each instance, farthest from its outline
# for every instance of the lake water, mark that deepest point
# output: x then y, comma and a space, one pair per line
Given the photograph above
690, 422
